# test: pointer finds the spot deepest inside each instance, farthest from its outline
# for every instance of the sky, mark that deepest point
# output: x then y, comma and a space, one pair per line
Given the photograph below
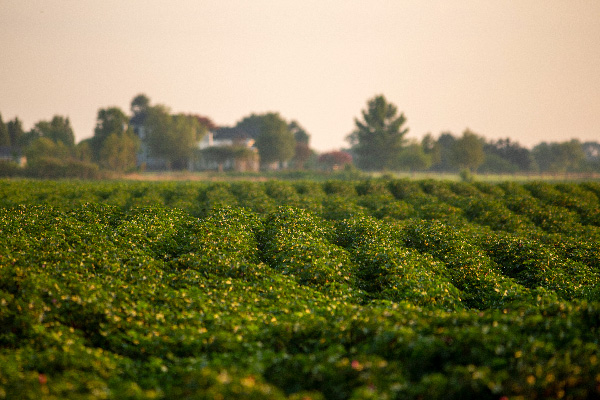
526, 70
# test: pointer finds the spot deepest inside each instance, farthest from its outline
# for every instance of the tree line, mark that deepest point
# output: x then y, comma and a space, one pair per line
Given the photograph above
379, 143
124, 142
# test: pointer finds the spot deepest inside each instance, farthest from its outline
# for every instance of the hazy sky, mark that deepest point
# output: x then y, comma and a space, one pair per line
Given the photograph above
524, 69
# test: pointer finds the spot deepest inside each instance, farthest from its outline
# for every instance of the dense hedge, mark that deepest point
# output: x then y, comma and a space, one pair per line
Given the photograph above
380, 289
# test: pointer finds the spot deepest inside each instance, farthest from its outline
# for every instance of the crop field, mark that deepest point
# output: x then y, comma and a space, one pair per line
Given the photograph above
367, 289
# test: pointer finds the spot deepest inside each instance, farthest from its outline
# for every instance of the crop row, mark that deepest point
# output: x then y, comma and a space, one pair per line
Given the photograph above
559, 207
339, 290
562, 216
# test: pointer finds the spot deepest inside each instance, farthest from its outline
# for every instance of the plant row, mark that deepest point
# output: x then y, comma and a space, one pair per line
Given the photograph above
313, 300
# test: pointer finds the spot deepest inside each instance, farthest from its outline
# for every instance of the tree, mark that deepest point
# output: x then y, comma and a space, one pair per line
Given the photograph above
206, 123
334, 160
496, 164
114, 145
250, 126
28, 138
467, 151
58, 130
592, 154
118, 152
300, 134
413, 158
432, 149
507, 156
15, 131
44, 147
83, 151
172, 137
302, 151
109, 121
4, 135
139, 109
378, 139
186, 132
274, 141
559, 157
444, 146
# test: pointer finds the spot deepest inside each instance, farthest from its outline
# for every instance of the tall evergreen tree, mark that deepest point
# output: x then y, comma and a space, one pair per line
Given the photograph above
378, 139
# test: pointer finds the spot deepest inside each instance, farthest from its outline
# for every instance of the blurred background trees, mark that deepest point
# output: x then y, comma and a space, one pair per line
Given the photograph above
124, 142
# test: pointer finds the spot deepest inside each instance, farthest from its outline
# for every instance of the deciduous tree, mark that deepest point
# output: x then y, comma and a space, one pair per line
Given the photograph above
274, 141
511, 152
44, 147
444, 146
58, 130
467, 151
300, 134
172, 137
109, 121
114, 145
118, 152
413, 158
302, 151
559, 157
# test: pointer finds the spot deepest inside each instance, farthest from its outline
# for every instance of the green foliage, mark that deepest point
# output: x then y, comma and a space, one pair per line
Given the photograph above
467, 151
58, 130
414, 158
118, 152
559, 157
4, 134
275, 141
378, 138
114, 145
371, 289
15, 131
56, 168
171, 136
296, 243
44, 147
